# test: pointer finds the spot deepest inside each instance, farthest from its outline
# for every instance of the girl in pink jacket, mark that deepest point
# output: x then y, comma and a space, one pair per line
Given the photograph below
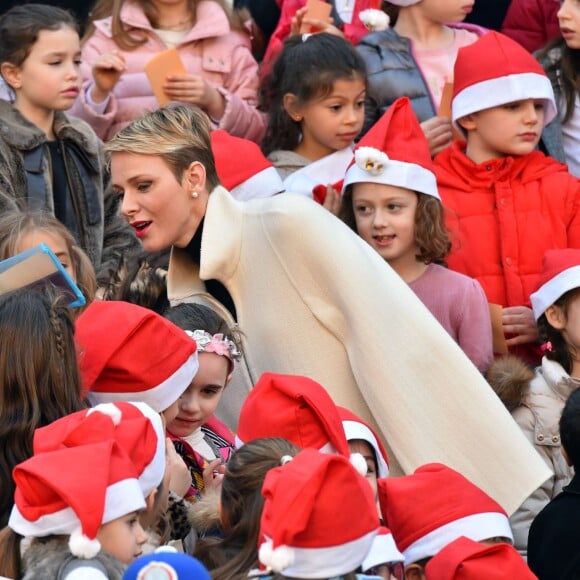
221, 75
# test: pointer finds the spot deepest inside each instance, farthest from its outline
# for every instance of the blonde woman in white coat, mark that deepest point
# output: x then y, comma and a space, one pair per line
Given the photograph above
314, 299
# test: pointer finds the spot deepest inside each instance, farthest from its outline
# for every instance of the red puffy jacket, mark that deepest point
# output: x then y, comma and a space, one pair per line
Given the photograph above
503, 215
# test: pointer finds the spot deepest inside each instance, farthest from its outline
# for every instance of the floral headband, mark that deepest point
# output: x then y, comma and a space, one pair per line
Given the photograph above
216, 343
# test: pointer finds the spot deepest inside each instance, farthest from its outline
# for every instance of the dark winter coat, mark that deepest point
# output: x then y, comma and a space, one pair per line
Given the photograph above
26, 181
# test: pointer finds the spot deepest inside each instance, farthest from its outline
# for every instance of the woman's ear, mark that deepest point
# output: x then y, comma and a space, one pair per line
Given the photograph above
556, 317
194, 177
292, 106
11, 74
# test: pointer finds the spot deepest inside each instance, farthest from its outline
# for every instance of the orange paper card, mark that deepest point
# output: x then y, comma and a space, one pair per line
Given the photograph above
315, 10
499, 343
165, 63
445, 107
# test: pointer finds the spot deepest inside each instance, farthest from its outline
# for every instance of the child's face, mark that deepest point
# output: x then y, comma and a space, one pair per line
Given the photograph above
55, 243
569, 19
123, 538
510, 129
50, 77
385, 218
198, 403
443, 11
362, 447
568, 322
331, 123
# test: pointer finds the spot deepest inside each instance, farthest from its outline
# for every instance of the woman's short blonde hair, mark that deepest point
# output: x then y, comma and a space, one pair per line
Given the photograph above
179, 135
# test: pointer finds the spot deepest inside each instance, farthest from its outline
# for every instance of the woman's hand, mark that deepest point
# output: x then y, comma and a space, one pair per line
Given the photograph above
298, 21
438, 132
179, 476
194, 89
519, 322
213, 475
107, 71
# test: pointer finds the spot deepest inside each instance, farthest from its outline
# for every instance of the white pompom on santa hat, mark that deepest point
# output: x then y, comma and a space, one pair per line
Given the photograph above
85, 472
560, 274
496, 70
130, 353
242, 168
319, 517
450, 506
394, 152
298, 409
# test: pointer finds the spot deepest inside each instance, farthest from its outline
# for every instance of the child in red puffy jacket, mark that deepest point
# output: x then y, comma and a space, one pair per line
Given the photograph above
507, 202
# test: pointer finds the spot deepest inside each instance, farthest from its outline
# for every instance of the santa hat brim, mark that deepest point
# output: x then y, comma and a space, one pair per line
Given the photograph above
122, 498
159, 397
476, 527
398, 173
547, 294
356, 430
383, 551
502, 90
265, 183
328, 562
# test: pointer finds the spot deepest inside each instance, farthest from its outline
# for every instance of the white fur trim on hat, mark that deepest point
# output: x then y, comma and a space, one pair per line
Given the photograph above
502, 90
547, 294
356, 430
398, 173
383, 551
374, 20
82, 546
476, 527
359, 463
326, 562
108, 409
122, 498
265, 183
159, 397
276, 559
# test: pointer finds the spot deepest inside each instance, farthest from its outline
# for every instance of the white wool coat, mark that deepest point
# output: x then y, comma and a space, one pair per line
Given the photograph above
314, 299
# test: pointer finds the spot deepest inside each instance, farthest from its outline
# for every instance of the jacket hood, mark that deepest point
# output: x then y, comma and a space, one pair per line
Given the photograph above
457, 171
510, 378
20, 133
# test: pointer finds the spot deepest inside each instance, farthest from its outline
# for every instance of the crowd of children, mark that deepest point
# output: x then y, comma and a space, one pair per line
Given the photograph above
385, 387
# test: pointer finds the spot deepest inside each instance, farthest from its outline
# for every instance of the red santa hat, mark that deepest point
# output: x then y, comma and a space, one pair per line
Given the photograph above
85, 472
355, 428
434, 506
465, 559
496, 70
560, 274
242, 168
394, 152
319, 517
130, 353
295, 408
383, 550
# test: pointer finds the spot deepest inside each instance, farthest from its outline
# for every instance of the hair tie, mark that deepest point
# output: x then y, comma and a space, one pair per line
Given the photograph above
286, 459
547, 346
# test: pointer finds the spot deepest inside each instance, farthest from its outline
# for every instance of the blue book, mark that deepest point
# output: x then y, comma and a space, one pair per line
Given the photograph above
36, 266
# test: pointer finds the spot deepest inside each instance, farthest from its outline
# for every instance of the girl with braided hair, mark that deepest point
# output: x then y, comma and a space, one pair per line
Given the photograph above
39, 378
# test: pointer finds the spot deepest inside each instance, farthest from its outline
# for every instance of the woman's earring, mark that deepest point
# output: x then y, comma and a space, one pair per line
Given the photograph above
194, 194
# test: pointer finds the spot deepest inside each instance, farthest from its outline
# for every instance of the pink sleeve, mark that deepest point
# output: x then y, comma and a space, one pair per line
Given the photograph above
474, 327
241, 117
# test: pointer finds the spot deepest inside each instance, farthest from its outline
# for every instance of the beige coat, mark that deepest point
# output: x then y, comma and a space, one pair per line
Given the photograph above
539, 418
312, 298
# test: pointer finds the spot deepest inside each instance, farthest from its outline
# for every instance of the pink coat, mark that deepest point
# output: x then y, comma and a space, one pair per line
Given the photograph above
210, 49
